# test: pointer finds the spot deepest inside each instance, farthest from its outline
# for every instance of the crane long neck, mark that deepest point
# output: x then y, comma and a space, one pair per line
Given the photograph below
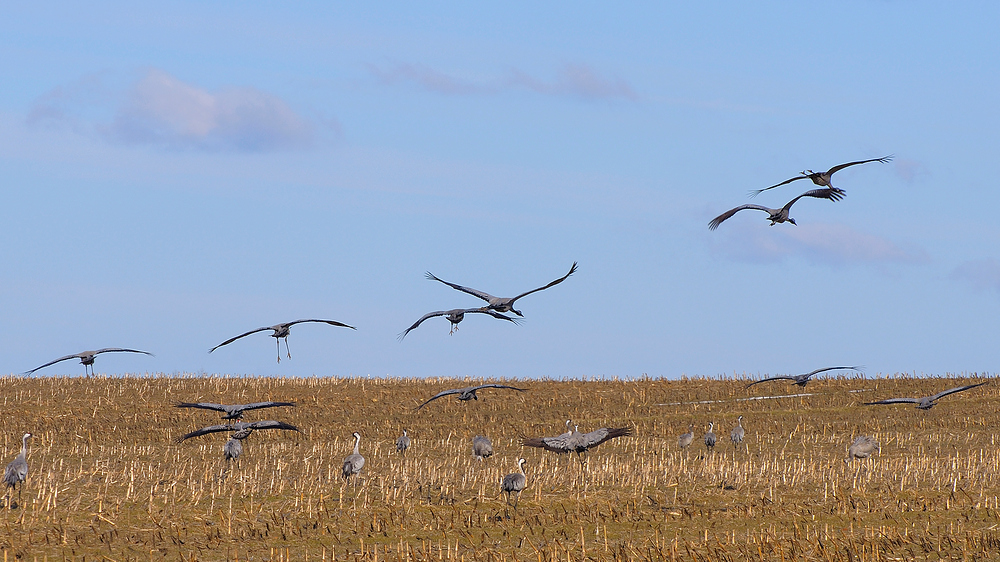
357, 441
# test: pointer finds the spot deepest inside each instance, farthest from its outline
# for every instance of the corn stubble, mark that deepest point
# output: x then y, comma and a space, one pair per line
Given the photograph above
108, 479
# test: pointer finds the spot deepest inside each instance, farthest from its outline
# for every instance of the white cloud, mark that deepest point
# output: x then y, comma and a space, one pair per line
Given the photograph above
982, 275
578, 80
158, 109
827, 243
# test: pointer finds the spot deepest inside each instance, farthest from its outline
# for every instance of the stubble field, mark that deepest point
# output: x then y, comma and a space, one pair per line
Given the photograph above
109, 481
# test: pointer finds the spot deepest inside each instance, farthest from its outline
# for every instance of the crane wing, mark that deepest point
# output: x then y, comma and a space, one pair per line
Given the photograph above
114, 349
203, 406
944, 393
492, 385
74, 356
831, 193
558, 444
440, 394
476, 293
259, 405
494, 314
572, 269
422, 318
755, 192
895, 401
330, 322
778, 378
272, 424
598, 436
231, 340
721, 218
824, 369
835, 169
209, 429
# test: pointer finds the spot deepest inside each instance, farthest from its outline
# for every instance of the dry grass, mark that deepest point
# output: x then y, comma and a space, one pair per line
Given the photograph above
109, 481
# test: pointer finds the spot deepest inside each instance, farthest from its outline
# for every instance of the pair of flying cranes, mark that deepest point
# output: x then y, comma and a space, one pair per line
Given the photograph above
823, 179
495, 307
922, 403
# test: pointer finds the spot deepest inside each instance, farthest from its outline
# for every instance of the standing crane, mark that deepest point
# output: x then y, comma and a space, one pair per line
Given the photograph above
514, 483
354, 462
17, 470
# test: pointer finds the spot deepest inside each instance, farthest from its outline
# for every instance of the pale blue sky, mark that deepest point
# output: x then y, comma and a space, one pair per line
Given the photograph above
177, 175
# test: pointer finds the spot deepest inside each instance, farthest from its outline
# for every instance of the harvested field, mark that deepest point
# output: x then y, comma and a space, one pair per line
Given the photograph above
108, 479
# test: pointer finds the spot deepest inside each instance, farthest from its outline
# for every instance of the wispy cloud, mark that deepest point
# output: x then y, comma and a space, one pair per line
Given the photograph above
576, 80
910, 170
160, 110
981, 275
831, 244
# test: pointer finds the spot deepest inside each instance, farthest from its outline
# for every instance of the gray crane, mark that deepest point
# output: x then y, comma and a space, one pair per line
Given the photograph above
232, 411
710, 438
514, 483
87, 358
403, 443
455, 316
577, 442
778, 215
801, 380
241, 429
685, 440
17, 470
354, 462
501, 304
468, 393
736, 435
281, 333
233, 448
482, 447
821, 179
927, 402
862, 447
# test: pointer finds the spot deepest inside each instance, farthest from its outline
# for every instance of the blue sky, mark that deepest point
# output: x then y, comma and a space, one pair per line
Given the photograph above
176, 175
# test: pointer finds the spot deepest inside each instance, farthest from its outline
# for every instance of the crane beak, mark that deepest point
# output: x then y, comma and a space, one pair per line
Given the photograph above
792, 221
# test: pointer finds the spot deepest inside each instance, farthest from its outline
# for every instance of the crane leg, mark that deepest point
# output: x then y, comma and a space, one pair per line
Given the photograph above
277, 343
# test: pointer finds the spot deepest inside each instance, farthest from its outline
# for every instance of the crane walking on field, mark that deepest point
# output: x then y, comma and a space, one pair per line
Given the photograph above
862, 447
514, 483
710, 438
482, 447
17, 471
87, 358
736, 435
685, 440
281, 333
403, 443
354, 462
